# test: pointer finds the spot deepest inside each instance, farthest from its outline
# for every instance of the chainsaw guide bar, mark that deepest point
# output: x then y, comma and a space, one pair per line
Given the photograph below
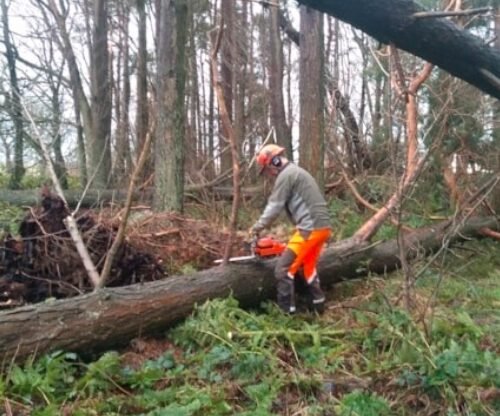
240, 259
265, 248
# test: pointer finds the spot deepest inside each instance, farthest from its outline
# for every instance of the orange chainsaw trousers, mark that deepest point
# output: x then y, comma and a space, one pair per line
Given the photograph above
307, 251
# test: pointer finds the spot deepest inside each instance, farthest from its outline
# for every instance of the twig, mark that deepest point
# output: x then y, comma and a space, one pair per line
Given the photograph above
10, 303
470, 12
199, 186
365, 203
8, 409
272, 133
53, 282
488, 232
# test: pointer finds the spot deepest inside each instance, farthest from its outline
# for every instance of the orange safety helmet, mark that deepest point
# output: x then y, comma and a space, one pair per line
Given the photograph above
266, 154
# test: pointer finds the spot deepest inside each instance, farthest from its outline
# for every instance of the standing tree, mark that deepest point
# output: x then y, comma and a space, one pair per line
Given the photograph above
170, 85
96, 115
496, 113
226, 74
99, 144
123, 159
358, 157
56, 124
14, 105
312, 96
142, 110
241, 74
276, 65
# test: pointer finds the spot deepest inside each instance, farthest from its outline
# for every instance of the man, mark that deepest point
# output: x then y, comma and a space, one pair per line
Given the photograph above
296, 191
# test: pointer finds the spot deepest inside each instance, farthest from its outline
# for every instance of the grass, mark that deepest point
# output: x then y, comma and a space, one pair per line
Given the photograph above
365, 356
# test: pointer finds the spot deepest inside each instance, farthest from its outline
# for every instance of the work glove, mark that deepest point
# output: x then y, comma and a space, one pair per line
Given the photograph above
253, 236
253, 232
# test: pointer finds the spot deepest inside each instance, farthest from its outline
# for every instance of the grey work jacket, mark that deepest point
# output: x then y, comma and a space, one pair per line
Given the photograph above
296, 191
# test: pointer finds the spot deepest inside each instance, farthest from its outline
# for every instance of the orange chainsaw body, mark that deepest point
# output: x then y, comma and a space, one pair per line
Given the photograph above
268, 247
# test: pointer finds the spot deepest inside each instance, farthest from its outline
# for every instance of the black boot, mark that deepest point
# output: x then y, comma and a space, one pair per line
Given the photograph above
286, 295
317, 296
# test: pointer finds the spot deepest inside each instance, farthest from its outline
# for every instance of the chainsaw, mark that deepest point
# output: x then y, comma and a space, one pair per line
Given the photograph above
262, 249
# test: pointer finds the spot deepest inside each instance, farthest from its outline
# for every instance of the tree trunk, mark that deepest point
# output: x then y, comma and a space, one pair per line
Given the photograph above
83, 113
227, 79
123, 159
142, 112
193, 141
359, 152
99, 144
14, 108
110, 317
277, 102
438, 41
241, 75
80, 143
169, 145
228, 127
59, 164
496, 118
311, 85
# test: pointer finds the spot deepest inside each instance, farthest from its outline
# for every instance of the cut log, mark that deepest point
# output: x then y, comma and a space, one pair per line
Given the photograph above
112, 317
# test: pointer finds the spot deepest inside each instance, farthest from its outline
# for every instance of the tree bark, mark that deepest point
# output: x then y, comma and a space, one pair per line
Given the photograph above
496, 117
170, 86
359, 155
14, 108
228, 128
99, 144
142, 112
276, 66
227, 79
59, 163
438, 41
241, 76
312, 94
123, 159
104, 319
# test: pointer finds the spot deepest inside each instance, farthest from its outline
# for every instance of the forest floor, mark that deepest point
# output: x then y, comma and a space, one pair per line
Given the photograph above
368, 354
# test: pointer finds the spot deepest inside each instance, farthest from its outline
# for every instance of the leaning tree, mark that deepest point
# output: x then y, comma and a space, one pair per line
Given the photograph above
410, 27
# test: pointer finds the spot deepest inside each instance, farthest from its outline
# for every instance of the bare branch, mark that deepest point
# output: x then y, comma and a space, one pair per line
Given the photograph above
470, 12
123, 224
69, 221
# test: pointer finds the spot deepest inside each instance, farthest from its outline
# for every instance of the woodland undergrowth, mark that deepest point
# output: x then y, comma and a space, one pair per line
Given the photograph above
366, 355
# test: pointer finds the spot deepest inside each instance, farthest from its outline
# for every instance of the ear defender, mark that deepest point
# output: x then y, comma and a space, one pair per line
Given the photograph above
276, 161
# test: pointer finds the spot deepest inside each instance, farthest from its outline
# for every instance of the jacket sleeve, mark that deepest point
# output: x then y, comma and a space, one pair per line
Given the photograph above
276, 202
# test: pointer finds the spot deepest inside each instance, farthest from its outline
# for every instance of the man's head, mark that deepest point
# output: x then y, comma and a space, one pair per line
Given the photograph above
270, 159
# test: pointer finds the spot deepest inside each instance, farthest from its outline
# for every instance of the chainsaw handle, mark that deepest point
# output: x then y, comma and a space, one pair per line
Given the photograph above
253, 242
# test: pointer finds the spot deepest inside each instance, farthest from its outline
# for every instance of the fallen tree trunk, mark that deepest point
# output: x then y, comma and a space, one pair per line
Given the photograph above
92, 198
110, 317
95, 198
436, 40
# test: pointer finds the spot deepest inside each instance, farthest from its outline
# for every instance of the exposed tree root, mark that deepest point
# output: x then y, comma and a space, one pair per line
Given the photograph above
43, 263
